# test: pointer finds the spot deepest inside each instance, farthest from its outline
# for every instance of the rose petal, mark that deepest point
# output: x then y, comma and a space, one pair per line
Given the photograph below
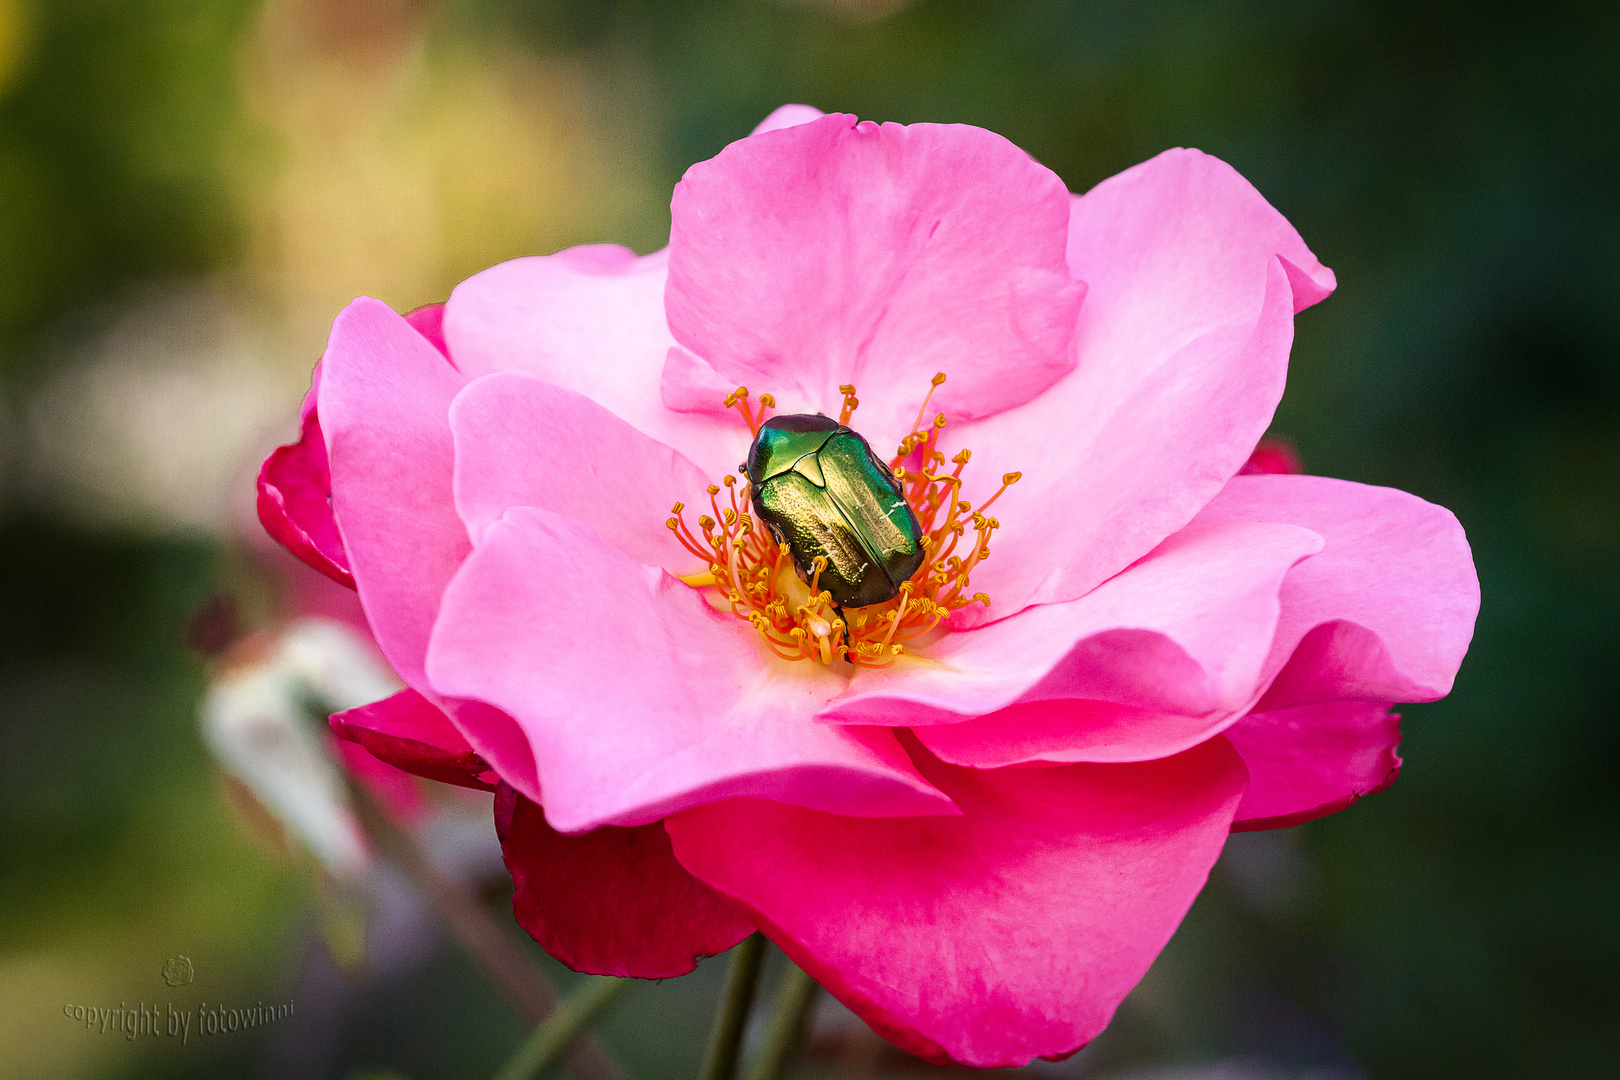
384, 401
786, 116
295, 484
385, 396
1185, 631
1313, 760
1067, 730
590, 319
1010, 932
1273, 456
1384, 613
840, 252
410, 733
295, 502
523, 442
428, 321
612, 901
636, 696
1183, 345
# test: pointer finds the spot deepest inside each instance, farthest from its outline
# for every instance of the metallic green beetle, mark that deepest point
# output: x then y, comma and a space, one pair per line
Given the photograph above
820, 490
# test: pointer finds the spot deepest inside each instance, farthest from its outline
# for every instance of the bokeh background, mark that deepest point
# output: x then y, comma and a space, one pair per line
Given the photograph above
190, 189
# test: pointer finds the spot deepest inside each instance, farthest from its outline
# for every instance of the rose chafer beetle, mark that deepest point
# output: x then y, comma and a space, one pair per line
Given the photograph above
820, 490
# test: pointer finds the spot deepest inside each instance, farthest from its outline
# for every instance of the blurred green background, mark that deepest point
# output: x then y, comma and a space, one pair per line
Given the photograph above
190, 189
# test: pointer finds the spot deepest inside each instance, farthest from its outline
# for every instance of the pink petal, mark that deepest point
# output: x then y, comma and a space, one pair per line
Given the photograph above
1183, 345
295, 505
428, 321
523, 442
839, 252
1068, 730
1384, 613
410, 733
384, 401
590, 319
295, 484
637, 697
1183, 632
787, 116
385, 395
1007, 933
1313, 760
612, 901
1273, 456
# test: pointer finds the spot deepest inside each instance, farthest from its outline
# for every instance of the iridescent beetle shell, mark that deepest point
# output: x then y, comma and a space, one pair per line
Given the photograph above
820, 490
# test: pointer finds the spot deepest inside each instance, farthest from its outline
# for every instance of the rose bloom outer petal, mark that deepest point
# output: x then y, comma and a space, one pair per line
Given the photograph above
294, 502
613, 901
295, 483
523, 442
1068, 730
637, 697
590, 319
1182, 347
384, 401
1384, 613
836, 252
385, 395
409, 732
1313, 760
1183, 632
1008, 933
428, 321
786, 116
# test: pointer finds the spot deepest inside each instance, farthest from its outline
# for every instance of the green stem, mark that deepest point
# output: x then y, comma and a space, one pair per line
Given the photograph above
572, 1016
725, 1040
793, 1002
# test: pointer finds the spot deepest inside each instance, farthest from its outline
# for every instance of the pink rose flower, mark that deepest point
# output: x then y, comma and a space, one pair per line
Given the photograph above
980, 842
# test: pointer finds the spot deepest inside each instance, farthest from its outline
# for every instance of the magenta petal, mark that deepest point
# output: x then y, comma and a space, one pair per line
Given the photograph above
384, 400
1185, 631
410, 733
1384, 613
295, 502
637, 697
1313, 760
1273, 456
1183, 346
428, 321
1008, 933
612, 901
837, 252
523, 442
590, 319
1067, 730
786, 116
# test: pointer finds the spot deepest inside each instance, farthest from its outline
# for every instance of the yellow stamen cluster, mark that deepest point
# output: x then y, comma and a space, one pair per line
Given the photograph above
797, 621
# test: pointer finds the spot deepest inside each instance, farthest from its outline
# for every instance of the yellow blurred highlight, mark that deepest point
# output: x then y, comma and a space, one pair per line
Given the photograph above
13, 41
406, 164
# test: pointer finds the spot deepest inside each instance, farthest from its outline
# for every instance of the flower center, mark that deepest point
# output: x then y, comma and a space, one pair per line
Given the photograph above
797, 619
